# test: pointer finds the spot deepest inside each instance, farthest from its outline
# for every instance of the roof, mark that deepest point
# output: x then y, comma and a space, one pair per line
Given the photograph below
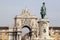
55, 28
4, 27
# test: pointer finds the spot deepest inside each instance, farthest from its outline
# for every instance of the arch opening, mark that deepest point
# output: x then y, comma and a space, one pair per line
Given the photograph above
26, 31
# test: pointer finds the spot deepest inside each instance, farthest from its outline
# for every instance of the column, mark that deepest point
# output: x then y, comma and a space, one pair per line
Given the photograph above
33, 34
19, 35
2, 35
10, 36
56, 36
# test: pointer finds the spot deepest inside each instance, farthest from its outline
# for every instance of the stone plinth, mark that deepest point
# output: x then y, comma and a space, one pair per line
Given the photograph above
44, 28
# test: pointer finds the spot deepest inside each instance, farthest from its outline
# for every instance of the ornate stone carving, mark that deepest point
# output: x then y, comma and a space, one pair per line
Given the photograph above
25, 22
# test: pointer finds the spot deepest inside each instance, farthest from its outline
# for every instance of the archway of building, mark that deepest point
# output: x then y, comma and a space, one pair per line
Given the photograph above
26, 30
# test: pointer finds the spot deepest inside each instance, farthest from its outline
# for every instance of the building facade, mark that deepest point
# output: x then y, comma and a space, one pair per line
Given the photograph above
39, 29
3, 33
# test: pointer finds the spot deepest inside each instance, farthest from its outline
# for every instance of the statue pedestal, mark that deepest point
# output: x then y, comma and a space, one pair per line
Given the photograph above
44, 29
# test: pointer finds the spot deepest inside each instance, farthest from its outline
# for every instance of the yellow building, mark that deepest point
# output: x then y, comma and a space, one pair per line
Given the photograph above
3, 33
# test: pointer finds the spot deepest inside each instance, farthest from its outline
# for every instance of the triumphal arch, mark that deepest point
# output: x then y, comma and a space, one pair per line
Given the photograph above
39, 29
27, 20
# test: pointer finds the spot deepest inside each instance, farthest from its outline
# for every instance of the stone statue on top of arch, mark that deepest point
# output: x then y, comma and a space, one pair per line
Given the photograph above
43, 11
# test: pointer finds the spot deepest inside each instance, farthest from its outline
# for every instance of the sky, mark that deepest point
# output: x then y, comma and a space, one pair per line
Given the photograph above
10, 8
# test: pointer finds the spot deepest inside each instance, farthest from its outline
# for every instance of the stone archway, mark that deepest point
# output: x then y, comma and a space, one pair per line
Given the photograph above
27, 35
26, 19
30, 30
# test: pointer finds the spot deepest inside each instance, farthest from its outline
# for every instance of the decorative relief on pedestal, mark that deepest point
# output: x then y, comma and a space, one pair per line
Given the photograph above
44, 30
44, 27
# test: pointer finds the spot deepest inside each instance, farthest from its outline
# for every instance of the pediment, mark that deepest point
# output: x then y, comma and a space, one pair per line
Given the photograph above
25, 14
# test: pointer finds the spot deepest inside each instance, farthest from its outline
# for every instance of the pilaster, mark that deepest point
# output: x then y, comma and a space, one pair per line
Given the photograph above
10, 36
